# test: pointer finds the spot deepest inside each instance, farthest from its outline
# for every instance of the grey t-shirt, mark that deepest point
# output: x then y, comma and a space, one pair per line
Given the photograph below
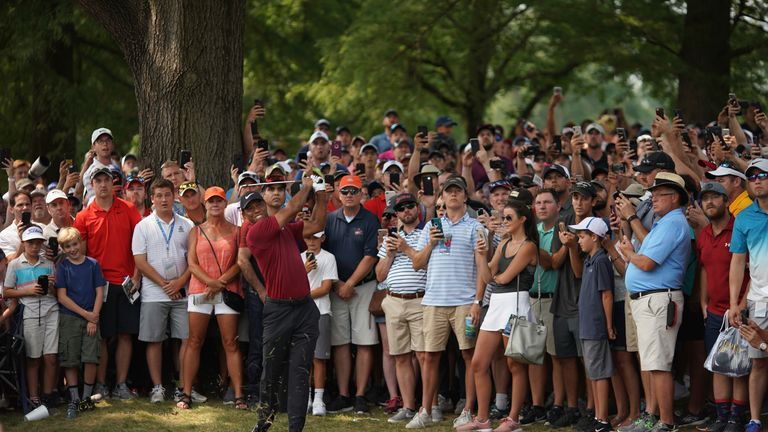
565, 301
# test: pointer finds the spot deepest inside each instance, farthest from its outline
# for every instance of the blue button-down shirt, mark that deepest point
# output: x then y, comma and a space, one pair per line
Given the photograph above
668, 244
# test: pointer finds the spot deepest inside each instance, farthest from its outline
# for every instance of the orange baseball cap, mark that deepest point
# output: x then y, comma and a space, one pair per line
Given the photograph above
351, 181
214, 191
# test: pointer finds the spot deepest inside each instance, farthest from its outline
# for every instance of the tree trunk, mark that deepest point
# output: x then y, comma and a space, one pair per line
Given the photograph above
187, 64
704, 79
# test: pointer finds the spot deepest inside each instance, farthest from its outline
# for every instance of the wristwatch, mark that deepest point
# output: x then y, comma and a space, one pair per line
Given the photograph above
631, 218
763, 346
477, 302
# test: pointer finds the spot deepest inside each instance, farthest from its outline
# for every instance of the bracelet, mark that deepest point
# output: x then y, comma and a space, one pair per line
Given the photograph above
631, 218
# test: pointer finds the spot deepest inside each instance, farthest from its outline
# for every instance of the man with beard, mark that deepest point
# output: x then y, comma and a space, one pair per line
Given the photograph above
557, 178
715, 258
486, 135
735, 184
290, 315
39, 211
601, 200
594, 153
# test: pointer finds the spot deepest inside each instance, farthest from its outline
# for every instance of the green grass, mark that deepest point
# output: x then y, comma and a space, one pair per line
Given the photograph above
140, 415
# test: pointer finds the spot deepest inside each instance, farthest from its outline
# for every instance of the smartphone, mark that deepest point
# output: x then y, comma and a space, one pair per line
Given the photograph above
499, 165
557, 90
745, 316
557, 141
633, 146
381, 233
561, 226
336, 148
660, 112
42, 280
237, 161
329, 179
619, 168
26, 218
302, 157
622, 134
184, 157
392, 231
726, 132
310, 256
437, 224
679, 114
422, 130
732, 100
474, 144
481, 212
53, 245
577, 130
394, 178
686, 138
262, 144
428, 187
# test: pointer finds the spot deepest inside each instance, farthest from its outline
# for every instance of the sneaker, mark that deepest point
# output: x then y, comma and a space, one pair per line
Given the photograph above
643, 423
463, 418
309, 404
444, 403
460, 406
177, 392
361, 406
340, 404
197, 397
420, 420
86, 404
318, 408
403, 414
508, 425
476, 425
661, 427
586, 421
554, 414
716, 425
393, 404
157, 394
122, 392
437, 414
72, 409
733, 426
494, 413
599, 426
535, 414
101, 389
569, 418
689, 419
753, 426
229, 397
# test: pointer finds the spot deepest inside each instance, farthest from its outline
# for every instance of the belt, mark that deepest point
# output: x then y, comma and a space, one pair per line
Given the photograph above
289, 301
410, 296
540, 295
637, 295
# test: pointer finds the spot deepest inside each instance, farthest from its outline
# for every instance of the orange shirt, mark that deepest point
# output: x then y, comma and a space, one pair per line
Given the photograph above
108, 236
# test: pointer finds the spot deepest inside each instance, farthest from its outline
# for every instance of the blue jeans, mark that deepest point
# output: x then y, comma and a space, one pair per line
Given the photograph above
253, 361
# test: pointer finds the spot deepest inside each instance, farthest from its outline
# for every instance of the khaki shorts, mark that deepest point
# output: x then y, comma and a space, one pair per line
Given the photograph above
761, 322
75, 346
630, 327
439, 321
656, 342
350, 320
546, 316
41, 334
404, 324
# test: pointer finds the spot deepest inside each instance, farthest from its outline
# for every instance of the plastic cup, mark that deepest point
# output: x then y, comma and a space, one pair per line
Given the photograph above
38, 413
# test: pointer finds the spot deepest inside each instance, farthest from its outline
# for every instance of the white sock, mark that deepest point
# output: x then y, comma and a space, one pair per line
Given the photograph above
319, 394
501, 401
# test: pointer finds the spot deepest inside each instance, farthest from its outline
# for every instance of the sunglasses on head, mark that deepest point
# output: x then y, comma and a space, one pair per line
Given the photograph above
758, 176
349, 191
188, 186
403, 207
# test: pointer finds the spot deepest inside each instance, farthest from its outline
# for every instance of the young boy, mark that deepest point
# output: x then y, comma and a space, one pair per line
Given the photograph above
321, 271
80, 286
41, 311
596, 315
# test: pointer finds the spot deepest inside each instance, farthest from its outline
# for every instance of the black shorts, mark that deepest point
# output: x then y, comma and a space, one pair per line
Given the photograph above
692, 325
118, 315
620, 325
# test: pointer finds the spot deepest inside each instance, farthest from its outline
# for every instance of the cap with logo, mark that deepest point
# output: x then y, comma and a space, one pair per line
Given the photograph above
274, 172
523, 195
563, 171
656, 160
249, 198
102, 170
725, 169
392, 163
454, 181
99, 132
55, 194
674, 181
585, 189
247, 175
134, 179
188, 186
214, 191
758, 164
499, 184
318, 134
712, 187
404, 198
351, 181
33, 232
594, 225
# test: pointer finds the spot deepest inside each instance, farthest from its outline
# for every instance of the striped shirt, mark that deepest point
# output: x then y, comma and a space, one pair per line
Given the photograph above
402, 278
22, 274
451, 277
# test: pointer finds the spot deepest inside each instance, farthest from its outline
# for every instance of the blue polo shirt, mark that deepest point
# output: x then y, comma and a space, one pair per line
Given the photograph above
596, 278
668, 244
351, 241
750, 235
452, 277
381, 141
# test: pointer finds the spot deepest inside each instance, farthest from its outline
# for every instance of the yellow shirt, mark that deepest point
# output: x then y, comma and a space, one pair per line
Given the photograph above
740, 203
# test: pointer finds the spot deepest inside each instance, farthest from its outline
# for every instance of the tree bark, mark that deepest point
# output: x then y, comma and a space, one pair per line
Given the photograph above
186, 59
703, 81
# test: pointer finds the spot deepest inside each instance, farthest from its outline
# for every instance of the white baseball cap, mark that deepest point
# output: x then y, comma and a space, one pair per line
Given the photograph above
318, 134
591, 224
98, 132
392, 163
759, 163
55, 194
724, 170
32, 233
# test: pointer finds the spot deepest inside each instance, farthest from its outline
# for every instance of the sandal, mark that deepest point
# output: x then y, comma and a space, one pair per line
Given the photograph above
185, 402
240, 403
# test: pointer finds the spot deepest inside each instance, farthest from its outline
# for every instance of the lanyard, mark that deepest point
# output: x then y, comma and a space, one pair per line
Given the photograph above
170, 234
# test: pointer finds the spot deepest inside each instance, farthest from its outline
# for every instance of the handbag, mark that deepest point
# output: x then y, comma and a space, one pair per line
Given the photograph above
527, 340
374, 307
730, 353
232, 300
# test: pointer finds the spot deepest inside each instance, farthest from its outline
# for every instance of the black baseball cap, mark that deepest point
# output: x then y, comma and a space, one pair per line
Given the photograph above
556, 168
404, 198
656, 160
454, 181
584, 188
523, 195
102, 170
487, 126
499, 183
249, 198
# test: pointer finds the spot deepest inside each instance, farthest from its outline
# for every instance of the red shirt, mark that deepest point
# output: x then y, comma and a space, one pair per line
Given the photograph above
376, 205
108, 236
715, 256
277, 254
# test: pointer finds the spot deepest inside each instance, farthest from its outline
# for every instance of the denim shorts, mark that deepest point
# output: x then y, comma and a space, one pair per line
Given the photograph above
711, 330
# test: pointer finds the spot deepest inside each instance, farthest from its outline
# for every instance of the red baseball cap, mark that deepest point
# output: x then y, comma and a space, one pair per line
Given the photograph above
214, 191
351, 181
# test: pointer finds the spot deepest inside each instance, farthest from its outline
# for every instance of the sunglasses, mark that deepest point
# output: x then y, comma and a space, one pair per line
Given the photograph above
404, 207
134, 178
440, 207
756, 177
508, 218
349, 191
